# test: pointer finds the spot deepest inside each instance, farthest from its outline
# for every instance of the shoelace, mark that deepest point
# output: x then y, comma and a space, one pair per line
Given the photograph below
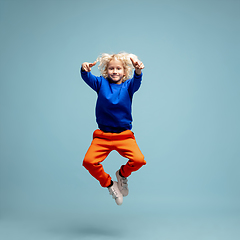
114, 193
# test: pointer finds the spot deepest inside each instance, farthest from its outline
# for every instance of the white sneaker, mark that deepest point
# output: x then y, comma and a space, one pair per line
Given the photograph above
116, 194
122, 184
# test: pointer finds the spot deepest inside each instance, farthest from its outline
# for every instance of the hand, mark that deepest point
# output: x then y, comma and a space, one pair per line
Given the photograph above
138, 65
88, 66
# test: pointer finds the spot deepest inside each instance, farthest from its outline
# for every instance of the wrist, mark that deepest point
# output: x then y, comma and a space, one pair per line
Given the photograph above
138, 71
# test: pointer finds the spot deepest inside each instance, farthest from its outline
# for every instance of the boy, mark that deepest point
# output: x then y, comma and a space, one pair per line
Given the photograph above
115, 91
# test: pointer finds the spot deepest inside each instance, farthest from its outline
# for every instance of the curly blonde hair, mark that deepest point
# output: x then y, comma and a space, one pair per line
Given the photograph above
124, 57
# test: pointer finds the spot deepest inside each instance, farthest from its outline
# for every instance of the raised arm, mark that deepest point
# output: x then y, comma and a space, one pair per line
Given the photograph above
138, 65
93, 81
88, 66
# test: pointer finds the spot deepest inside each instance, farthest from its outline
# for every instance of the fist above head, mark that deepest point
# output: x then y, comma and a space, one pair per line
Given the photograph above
86, 66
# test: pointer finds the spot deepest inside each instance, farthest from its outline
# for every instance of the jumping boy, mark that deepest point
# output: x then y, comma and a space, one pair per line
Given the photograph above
115, 89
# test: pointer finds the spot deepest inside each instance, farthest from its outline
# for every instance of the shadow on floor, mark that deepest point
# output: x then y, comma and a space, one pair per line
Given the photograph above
86, 230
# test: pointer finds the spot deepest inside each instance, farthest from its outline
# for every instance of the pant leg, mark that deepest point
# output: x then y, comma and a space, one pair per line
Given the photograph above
97, 152
129, 149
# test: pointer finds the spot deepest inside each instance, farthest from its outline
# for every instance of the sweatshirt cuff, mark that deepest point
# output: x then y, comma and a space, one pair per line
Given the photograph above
136, 75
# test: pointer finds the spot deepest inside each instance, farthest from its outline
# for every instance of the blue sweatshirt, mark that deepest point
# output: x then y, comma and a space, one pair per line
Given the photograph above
114, 102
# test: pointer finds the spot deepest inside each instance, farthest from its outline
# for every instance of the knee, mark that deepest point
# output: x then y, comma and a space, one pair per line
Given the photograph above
139, 160
87, 163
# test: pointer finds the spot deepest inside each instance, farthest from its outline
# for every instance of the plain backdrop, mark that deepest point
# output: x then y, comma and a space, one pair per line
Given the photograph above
186, 119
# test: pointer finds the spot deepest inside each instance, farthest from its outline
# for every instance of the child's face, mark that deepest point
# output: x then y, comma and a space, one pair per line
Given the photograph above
115, 71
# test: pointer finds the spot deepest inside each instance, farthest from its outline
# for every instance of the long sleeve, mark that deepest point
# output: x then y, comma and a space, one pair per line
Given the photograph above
92, 81
135, 83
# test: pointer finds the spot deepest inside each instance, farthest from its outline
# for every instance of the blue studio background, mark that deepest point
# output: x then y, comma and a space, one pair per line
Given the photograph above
186, 119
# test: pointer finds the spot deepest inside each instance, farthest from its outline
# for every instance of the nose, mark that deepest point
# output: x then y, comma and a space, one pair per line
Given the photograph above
114, 70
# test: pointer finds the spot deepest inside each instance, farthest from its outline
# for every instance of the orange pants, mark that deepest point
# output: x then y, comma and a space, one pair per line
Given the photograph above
102, 144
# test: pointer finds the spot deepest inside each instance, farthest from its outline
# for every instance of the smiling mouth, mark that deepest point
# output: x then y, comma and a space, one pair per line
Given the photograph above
115, 79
